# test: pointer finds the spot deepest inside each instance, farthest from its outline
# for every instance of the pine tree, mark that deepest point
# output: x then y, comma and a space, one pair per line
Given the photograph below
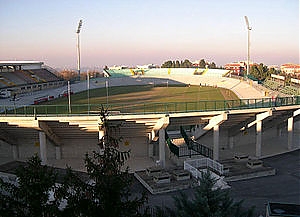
208, 202
108, 191
202, 63
30, 196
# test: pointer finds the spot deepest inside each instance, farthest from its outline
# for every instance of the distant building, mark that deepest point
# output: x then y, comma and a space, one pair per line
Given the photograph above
148, 66
290, 68
236, 68
276, 67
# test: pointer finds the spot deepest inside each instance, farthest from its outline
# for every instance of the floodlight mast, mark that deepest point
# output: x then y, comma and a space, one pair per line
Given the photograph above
248, 44
78, 48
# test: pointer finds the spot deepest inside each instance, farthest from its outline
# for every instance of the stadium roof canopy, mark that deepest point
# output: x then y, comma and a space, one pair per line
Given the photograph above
18, 63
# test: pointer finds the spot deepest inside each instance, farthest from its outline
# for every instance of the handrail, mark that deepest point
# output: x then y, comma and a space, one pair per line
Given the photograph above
150, 108
206, 163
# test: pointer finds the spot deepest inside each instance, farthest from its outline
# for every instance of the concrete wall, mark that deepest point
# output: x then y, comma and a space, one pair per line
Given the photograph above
77, 148
6, 153
138, 146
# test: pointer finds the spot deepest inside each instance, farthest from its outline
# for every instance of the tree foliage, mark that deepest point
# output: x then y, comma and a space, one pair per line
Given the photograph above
30, 195
208, 202
202, 63
260, 71
177, 64
108, 192
187, 64
104, 191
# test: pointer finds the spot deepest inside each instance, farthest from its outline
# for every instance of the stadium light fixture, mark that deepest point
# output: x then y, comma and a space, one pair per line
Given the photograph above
248, 43
78, 48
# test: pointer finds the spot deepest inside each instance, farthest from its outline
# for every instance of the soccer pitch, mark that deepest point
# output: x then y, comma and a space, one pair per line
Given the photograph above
127, 95
142, 99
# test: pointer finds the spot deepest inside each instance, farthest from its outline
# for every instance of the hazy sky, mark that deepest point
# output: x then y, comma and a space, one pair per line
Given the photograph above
136, 32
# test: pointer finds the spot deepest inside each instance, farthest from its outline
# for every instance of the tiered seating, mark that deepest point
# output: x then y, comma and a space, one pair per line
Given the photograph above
270, 84
44, 75
12, 79
119, 72
158, 72
182, 71
3, 82
25, 76
216, 72
290, 90
170, 72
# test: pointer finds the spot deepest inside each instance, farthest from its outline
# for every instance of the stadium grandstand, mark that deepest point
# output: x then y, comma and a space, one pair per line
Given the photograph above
283, 85
167, 71
26, 76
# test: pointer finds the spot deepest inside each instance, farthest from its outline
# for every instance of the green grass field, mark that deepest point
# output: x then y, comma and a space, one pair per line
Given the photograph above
147, 99
142, 99
128, 95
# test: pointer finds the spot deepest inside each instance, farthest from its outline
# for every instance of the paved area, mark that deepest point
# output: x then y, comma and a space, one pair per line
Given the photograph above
283, 187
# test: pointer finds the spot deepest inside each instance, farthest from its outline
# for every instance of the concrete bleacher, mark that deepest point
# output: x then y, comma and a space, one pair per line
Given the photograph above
23, 77
6, 82
44, 75
279, 86
169, 71
119, 72
290, 90
271, 84
12, 78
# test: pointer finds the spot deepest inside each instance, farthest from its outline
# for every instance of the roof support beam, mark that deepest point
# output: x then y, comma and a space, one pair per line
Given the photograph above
161, 123
296, 113
216, 120
260, 117
49, 132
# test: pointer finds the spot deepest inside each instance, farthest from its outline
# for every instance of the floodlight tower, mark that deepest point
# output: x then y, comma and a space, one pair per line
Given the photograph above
248, 44
78, 48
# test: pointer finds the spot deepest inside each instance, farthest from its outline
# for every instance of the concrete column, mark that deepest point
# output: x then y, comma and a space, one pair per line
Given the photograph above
150, 146
162, 146
58, 152
43, 147
258, 138
231, 142
279, 131
297, 133
15, 152
290, 132
216, 143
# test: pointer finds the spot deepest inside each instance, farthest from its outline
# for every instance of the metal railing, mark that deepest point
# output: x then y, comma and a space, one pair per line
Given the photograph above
205, 163
196, 149
149, 108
